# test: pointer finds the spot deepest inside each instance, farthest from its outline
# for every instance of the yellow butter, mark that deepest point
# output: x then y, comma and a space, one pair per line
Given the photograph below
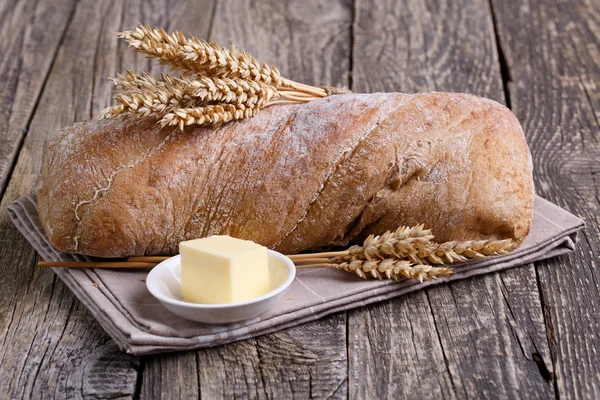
222, 269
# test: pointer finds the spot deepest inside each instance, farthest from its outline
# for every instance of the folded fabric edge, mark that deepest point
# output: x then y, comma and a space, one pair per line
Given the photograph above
24, 224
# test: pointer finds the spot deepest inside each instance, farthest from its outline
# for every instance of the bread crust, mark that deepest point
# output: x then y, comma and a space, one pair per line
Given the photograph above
295, 177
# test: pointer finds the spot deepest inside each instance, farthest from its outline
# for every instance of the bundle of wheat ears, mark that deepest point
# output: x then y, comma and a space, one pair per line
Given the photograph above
408, 252
216, 84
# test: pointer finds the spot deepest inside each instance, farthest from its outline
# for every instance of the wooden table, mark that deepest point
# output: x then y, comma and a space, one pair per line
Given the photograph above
531, 332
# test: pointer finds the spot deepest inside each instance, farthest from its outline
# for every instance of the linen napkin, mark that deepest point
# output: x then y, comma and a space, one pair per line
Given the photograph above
139, 324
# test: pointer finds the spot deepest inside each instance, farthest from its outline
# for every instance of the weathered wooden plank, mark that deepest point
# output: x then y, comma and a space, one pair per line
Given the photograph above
51, 347
552, 51
170, 376
30, 32
309, 42
394, 351
479, 337
302, 362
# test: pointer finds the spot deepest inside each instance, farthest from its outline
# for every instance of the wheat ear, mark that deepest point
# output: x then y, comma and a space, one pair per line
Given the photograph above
143, 95
197, 56
389, 268
456, 251
209, 114
192, 55
399, 243
408, 252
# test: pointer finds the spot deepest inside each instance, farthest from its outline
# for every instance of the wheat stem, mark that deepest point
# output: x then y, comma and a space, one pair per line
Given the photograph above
315, 265
315, 91
312, 260
281, 101
328, 254
297, 99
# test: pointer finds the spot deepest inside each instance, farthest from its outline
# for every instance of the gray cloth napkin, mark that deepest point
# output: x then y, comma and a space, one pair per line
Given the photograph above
139, 324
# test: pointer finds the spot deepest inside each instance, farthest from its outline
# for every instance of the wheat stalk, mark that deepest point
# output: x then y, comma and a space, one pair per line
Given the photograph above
145, 95
389, 268
408, 252
205, 88
192, 55
455, 251
214, 78
416, 245
399, 244
197, 56
209, 114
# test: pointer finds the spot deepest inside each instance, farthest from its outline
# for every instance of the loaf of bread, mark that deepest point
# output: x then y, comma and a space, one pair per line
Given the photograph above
293, 178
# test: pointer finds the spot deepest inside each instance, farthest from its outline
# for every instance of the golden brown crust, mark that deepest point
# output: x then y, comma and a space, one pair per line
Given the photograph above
292, 178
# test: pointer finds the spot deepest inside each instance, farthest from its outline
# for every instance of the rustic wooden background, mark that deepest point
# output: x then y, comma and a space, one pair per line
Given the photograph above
531, 332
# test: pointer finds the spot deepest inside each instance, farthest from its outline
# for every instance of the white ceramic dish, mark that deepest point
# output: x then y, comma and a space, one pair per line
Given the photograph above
164, 283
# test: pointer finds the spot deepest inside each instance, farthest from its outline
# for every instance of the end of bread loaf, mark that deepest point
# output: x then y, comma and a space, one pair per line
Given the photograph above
505, 206
79, 169
466, 173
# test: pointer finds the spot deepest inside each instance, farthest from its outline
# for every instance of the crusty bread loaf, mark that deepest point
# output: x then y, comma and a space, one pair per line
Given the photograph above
295, 177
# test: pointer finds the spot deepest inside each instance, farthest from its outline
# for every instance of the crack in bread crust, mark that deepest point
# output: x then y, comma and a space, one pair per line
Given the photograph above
343, 158
198, 201
280, 131
419, 158
411, 167
145, 156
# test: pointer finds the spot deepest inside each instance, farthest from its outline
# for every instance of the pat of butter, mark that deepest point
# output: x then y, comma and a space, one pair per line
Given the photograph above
222, 269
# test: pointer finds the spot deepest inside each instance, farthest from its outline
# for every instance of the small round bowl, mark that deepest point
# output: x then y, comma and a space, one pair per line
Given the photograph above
164, 283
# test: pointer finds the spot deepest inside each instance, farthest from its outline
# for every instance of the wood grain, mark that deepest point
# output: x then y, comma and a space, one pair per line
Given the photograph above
394, 351
170, 376
552, 52
308, 41
476, 338
301, 362
30, 33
